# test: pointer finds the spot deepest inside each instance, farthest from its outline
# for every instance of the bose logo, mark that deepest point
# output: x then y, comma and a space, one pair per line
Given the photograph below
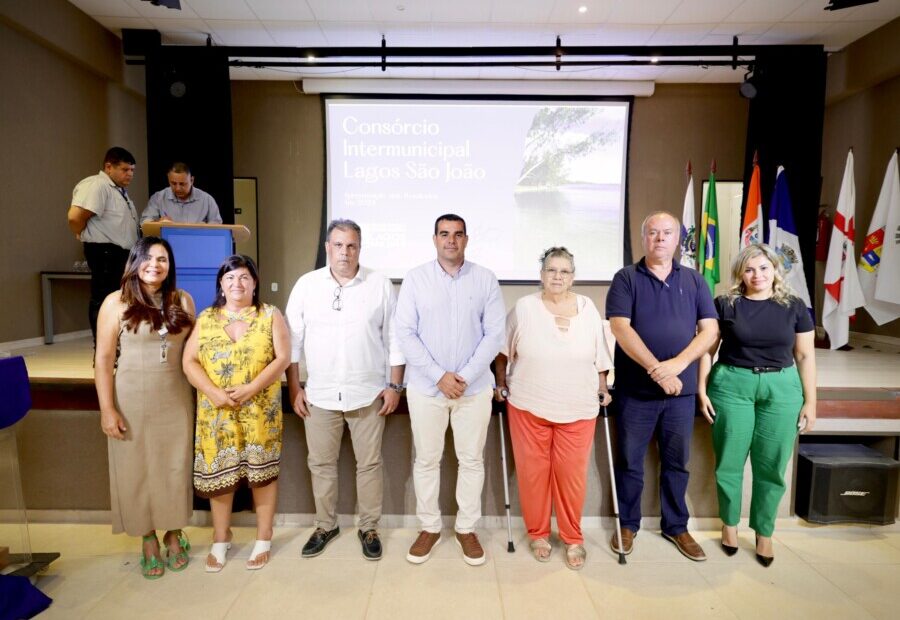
855, 493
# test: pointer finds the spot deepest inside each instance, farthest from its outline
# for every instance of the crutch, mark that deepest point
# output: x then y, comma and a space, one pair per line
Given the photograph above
612, 484
510, 547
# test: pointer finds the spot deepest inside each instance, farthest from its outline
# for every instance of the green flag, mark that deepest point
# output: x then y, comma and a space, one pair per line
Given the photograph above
709, 237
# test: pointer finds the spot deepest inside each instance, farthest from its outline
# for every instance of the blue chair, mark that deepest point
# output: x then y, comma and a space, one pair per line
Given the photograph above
15, 402
15, 390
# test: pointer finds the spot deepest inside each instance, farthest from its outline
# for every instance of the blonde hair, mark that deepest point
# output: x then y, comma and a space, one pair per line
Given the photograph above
781, 291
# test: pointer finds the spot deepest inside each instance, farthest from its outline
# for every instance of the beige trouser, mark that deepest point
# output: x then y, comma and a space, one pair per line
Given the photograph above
468, 416
324, 429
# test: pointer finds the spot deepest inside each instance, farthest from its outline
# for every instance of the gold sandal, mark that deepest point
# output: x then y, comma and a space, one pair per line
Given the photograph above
573, 553
538, 546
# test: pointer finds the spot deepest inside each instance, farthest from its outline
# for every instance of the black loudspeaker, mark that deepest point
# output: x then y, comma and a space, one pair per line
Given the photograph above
839, 483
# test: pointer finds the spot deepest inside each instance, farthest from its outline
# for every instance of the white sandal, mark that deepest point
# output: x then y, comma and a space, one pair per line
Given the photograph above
259, 548
218, 551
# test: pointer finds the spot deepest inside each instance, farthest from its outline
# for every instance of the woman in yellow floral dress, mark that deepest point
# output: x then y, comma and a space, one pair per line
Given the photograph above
235, 357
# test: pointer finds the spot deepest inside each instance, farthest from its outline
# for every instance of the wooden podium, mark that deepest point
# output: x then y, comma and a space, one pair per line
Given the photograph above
199, 250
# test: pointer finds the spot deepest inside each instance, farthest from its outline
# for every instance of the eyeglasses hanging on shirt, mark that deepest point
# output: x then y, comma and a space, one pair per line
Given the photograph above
131, 208
336, 304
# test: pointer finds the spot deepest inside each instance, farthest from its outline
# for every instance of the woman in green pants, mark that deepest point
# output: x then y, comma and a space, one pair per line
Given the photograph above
760, 392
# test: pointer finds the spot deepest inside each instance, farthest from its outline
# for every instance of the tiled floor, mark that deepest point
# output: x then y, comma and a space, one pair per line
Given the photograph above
819, 572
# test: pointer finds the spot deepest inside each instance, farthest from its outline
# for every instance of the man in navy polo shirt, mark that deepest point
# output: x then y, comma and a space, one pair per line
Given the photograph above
663, 318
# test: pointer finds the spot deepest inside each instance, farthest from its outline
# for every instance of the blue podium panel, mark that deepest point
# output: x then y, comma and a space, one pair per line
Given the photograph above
198, 254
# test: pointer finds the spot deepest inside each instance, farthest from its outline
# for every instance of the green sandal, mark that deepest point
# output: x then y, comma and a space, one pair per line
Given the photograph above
185, 545
152, 563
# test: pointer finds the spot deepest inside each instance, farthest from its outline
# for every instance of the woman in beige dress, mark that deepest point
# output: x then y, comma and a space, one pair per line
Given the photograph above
146, 404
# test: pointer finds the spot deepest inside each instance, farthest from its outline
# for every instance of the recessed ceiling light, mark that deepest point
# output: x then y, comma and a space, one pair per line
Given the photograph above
310, 58
654, 60
582, 9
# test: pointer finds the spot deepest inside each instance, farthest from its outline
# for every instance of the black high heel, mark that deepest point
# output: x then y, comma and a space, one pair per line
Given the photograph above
765, 560
728, 549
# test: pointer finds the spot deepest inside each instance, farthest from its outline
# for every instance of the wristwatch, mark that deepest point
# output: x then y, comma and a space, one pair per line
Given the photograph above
397, 387
504, 392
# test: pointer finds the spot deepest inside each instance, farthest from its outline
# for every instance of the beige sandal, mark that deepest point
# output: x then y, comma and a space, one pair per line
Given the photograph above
540, 546
574, 553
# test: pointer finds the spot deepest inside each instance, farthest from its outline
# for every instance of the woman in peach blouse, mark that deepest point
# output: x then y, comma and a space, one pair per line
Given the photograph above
552, 374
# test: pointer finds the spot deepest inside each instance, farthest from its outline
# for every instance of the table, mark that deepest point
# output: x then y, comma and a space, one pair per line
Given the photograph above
47, 278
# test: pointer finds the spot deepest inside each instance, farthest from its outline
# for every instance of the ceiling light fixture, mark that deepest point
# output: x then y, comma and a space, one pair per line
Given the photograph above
748, 89
654, 60
582, 9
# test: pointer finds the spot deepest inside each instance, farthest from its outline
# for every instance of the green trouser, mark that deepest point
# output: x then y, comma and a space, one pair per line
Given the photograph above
756, 414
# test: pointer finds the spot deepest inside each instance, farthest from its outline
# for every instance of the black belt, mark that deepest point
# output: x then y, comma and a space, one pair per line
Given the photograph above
758, 370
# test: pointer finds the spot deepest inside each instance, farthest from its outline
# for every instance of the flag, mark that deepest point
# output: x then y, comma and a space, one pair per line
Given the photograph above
689, 227
879, 263
709, 237
752, 228
783, 238
843, 294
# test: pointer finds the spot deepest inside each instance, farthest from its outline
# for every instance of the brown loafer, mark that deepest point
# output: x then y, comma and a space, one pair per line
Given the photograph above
627, 541
686, 545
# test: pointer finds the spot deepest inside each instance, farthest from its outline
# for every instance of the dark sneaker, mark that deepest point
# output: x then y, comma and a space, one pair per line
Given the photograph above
421, 549
318, 541
473, 554
371, 544
686, 545
627, 541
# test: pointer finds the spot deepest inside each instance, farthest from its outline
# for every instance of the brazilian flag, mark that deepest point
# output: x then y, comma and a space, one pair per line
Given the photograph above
709, 237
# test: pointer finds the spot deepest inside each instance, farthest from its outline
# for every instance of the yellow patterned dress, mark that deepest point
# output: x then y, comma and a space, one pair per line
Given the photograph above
244, 442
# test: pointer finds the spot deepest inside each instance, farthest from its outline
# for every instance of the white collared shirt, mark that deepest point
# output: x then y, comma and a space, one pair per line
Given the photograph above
348, 352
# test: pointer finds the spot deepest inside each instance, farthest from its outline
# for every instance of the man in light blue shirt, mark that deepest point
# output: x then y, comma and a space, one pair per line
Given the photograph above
450, 322
181, 201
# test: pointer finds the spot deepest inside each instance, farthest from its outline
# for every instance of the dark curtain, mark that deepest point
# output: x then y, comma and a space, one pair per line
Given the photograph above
189, 120
785, 127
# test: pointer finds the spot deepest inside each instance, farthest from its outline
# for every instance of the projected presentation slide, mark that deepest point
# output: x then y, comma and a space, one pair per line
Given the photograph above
525, 176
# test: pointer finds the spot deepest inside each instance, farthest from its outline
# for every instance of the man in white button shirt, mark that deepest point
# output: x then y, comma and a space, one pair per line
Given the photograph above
340, 318
450, 323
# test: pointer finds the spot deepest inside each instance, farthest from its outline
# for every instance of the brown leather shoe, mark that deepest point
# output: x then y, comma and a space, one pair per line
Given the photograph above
686, 545
627, 541
421, 549
473, 553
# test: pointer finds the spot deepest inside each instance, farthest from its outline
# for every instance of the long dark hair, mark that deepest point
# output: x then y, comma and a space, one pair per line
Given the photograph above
140, 306
236, 261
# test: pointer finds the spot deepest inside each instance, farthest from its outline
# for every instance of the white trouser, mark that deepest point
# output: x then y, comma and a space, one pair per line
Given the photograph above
469, 417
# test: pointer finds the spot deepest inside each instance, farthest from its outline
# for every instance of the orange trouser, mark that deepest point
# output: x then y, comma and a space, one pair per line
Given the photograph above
551, 465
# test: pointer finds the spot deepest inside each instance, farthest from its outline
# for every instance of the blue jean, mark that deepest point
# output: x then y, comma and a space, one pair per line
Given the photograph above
673, 421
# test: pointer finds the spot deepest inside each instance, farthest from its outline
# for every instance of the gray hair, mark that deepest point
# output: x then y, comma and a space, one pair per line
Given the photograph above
345, 225
657, 214
557, 252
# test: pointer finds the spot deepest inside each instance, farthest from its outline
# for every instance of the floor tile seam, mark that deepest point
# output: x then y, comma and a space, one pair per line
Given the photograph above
372, 588
245, 583
734, 612
846, 594
499, 587
89, 612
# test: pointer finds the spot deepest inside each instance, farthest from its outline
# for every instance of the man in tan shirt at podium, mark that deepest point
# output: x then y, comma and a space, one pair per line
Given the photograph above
181, 202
